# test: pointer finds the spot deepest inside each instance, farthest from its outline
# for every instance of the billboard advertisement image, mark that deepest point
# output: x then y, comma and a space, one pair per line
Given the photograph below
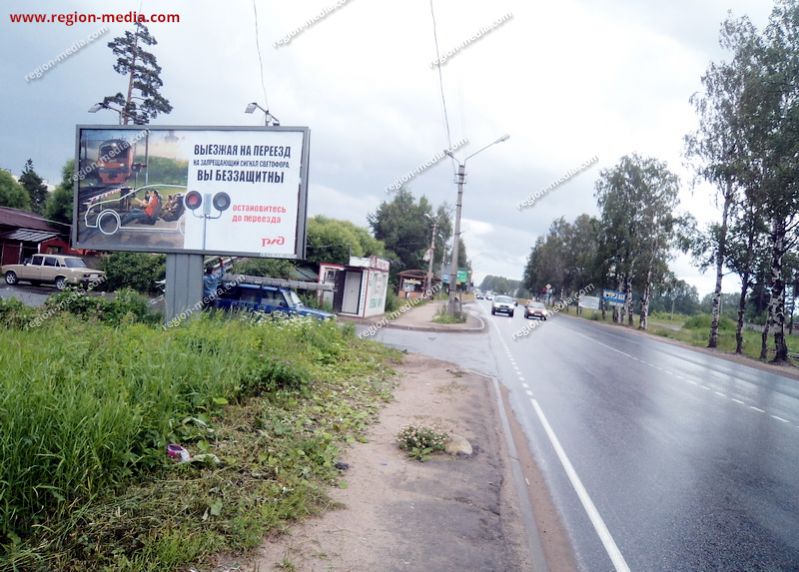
204, 190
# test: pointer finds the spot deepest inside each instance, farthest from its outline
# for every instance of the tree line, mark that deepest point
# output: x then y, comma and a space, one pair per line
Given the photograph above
746, 147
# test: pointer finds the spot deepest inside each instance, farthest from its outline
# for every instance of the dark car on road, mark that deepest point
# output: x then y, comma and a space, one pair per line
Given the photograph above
503, 305
266, 299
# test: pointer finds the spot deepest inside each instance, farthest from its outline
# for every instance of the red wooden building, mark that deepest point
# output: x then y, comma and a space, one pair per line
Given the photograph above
24, 233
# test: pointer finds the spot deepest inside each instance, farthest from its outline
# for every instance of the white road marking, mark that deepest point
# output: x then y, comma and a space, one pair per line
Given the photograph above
720, 394
521, 378
593, 341
593, 514
738, 401
524, 385
601, 529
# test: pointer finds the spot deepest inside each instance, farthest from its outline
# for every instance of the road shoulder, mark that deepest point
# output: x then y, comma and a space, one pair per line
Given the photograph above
447, 514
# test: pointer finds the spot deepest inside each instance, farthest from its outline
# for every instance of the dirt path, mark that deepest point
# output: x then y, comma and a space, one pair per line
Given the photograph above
447, 514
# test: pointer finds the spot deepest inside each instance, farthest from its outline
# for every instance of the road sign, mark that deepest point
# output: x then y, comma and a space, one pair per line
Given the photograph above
613, 297
463, 276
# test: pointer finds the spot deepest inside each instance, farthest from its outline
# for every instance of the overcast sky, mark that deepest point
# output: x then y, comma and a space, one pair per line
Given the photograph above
567, 80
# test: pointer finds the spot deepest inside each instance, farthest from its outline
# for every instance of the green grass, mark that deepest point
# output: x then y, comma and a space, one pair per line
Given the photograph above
87, 409
444, 317
698, 336
695, 331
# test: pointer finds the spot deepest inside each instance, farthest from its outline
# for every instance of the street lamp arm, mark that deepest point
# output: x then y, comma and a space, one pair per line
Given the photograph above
500, 140
251, 107
104, 105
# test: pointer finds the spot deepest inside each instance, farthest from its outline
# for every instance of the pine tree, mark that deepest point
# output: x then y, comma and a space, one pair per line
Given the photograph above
143, 101
35, 187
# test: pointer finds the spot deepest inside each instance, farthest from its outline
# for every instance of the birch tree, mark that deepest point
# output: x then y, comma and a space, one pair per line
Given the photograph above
772, 101
636, 199
717, 147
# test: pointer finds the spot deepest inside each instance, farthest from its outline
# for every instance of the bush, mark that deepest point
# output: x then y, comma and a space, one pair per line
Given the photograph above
392, 300
419, 441
132, 270
15, 314
311, 300
273, 268
125, 306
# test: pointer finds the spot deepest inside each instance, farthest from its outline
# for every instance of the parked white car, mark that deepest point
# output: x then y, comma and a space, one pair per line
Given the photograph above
56, 269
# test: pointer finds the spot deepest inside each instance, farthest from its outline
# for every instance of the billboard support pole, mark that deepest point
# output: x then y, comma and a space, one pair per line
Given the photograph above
184, 286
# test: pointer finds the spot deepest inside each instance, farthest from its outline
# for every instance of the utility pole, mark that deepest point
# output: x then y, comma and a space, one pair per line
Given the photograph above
430, 262
454, 307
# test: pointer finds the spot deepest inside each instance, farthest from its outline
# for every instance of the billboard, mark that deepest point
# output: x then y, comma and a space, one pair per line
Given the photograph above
590, 302
613, 297
193, 190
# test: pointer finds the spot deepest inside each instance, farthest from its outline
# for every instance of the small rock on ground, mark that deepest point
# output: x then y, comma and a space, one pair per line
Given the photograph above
459, 446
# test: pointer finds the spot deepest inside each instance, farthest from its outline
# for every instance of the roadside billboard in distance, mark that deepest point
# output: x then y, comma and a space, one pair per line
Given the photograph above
194, 190
590, 302
613, 297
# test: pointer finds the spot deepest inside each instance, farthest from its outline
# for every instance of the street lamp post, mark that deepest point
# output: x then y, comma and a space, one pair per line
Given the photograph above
98, 106
453, 306
251, 107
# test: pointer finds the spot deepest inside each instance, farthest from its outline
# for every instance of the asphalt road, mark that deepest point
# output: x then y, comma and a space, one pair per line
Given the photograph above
658, 457
30, 295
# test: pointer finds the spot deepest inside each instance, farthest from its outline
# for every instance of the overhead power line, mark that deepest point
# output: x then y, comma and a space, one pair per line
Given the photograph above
260, 58
441, 81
